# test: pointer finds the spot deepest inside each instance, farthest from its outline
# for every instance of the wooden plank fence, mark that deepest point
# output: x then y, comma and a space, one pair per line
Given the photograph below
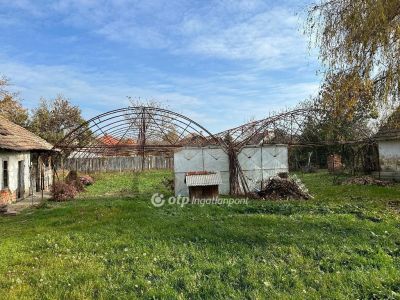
120, 163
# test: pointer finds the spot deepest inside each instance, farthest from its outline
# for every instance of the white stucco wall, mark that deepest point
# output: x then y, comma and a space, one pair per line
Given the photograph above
389, 160
13, 158
258, 163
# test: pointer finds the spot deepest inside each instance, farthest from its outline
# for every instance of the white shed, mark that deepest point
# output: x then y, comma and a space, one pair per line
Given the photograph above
257, 162
388, 139
25, 163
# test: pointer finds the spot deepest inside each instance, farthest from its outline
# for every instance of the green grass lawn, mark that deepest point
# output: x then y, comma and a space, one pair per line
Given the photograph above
112, 243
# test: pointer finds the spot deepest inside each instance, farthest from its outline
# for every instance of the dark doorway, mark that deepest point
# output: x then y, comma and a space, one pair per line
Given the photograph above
21, 181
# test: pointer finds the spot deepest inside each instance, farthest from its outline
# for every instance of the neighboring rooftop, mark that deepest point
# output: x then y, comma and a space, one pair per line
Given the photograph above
108, 140
391, 129
15, 137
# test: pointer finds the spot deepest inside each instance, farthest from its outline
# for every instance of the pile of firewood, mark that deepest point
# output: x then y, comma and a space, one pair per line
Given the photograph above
284, 187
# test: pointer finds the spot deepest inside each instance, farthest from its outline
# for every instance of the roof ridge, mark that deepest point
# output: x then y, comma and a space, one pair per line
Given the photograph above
16, 137
391, 127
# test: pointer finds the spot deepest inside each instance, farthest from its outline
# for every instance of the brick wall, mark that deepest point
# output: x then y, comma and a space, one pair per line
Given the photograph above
6, 196
334, 163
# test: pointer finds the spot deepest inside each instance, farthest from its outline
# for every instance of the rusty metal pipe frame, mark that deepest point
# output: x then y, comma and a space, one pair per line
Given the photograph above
86, 128
243, 134
131, 121
151, 132
118, 131
121, 122
158, 111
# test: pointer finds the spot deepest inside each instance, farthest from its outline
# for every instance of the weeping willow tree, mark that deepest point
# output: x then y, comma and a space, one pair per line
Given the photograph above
358, 40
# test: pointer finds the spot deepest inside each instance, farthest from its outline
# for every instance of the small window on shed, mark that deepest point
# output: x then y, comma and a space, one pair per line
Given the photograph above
5, 174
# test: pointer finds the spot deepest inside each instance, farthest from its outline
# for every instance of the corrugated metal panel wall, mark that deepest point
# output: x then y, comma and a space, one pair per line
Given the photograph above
258, 163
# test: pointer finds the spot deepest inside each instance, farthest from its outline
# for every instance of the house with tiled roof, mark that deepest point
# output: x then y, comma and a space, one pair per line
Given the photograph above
108, 140
388, 140
25, 162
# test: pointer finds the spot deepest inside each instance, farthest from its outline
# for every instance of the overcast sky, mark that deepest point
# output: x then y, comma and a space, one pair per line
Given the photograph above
219, 62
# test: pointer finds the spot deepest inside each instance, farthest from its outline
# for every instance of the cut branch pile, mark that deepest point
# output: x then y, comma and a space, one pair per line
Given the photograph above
284, 188
366, 180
